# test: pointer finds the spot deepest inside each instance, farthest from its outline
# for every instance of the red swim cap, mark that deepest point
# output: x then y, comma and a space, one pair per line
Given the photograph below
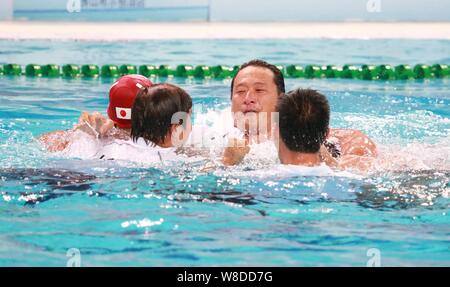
121, 98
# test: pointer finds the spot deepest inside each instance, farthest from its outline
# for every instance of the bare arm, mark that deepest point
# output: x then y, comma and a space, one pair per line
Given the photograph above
354, 142
55, 141
358, 150
93, 124
362, 163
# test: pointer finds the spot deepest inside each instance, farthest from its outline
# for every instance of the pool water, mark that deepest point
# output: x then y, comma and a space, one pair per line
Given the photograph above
256, 214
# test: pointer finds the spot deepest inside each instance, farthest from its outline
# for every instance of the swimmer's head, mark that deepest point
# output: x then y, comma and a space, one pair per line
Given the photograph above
255, 90
121, 98
304, 116
162, 115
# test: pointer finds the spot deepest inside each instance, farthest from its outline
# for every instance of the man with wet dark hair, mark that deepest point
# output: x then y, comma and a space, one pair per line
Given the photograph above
254, 92
304, 116
303, 121
158, 113
160, 127
255, 89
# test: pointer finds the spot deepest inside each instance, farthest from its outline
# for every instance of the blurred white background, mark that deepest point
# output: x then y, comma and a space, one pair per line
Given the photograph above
228, 10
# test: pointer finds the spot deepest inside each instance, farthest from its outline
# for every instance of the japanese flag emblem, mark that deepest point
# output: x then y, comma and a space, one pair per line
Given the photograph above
123, 113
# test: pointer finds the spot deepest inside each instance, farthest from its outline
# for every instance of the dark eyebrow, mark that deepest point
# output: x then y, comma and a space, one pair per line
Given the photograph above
240, 85
260, 83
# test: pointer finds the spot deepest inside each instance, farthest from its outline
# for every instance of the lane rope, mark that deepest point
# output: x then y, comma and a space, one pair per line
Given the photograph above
363, 72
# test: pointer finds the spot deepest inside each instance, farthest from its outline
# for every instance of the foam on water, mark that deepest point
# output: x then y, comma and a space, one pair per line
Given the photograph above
211, 131
414, 156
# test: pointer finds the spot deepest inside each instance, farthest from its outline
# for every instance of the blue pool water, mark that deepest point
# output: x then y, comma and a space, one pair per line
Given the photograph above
249, 215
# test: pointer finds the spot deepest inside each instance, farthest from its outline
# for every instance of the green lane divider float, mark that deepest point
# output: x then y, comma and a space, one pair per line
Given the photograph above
166, 71
51, 71
383, 72
295, 71
404, 72
148, 70
12, 69
440, 71
110, 71
222, 72
90, 71
313, 71
127, 70
330, 71
202, 72
422, 71
71, 71
184, 71
349, 72
368, 72
33, 70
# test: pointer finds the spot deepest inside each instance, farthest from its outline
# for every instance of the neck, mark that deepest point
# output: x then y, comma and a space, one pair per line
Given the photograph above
297, 158
166, 143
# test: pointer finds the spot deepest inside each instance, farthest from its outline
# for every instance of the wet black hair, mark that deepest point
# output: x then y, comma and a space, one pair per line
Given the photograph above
304, 116
152, 111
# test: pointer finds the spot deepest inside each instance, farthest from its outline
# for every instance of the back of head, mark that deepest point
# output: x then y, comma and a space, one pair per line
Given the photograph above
153, 110
304, 117
121, 97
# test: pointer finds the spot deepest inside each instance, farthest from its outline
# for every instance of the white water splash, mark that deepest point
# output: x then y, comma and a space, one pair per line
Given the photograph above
414, 156
142, 223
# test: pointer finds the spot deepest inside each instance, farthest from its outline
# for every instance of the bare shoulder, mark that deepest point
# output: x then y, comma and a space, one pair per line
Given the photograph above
354, 142
346, 133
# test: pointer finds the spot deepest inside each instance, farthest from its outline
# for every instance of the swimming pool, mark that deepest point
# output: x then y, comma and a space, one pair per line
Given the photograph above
255, 214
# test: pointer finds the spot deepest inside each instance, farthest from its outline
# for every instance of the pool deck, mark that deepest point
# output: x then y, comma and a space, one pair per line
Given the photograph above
114, 31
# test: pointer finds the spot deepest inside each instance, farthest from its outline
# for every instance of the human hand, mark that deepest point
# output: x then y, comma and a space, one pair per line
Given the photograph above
94, 124
235, 151
326, 157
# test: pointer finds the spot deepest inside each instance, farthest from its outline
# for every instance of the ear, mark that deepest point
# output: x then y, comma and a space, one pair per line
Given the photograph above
173, 128
328, 133
178, 135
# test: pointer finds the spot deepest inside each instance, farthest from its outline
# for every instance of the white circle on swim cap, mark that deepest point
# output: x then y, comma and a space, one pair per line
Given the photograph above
123, 113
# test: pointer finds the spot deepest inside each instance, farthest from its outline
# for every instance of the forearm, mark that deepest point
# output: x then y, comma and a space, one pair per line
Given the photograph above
55, 141
354, 142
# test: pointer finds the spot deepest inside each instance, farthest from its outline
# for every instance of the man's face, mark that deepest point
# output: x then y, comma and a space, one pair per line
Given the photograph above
254, 90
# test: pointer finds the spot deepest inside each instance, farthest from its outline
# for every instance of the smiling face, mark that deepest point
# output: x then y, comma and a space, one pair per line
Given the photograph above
254, 91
